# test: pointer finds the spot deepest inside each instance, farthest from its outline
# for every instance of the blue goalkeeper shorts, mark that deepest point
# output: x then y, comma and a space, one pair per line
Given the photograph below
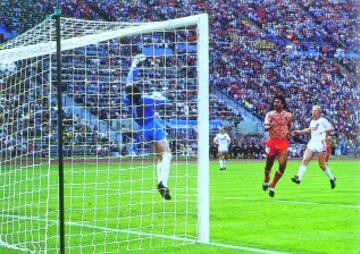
153, 131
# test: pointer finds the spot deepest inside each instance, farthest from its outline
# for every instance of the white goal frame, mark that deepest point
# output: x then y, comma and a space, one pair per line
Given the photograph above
31, 49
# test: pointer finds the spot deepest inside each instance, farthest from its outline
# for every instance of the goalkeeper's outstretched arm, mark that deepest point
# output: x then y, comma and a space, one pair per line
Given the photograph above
133, 93
134, 72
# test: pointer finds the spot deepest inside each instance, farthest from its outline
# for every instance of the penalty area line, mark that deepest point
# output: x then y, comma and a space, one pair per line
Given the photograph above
133, 232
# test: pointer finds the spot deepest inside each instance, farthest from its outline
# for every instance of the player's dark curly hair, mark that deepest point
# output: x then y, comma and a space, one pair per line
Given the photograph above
279, 97
133, 92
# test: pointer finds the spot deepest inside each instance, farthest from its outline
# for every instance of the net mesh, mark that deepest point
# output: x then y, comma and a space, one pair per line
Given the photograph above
112, 202
27, 183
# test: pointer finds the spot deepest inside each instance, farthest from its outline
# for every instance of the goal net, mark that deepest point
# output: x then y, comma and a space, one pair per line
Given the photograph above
115, 149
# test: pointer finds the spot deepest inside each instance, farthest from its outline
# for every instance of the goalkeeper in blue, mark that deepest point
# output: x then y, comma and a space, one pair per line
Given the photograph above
142, 109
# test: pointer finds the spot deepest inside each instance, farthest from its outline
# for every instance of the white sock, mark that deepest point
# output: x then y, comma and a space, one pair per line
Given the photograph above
159, 171
302, 170
166, 161
328, 173
224, 163
221, 163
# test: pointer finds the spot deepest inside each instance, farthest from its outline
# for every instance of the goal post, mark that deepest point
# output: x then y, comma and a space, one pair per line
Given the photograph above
111, 195
203, 135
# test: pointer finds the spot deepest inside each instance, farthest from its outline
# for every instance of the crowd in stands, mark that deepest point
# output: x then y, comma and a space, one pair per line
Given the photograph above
243, 147
307, 50
24, 117
28, 119
339, 18
253, 147
102, 91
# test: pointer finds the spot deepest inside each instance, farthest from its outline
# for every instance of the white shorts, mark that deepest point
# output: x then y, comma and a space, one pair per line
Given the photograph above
317, 146
223, 149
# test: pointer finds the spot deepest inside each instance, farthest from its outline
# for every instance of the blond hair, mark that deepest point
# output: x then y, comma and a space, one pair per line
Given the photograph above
316, 107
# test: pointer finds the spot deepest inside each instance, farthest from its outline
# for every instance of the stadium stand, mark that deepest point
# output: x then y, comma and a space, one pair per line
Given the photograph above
258, 49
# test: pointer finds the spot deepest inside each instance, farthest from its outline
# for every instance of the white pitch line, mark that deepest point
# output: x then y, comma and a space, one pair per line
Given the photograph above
106, 229
292, 202
14, 247
249, 249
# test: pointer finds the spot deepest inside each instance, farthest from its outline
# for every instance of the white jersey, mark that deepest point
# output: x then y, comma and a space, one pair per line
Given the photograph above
223, 140
317, 142
318, 128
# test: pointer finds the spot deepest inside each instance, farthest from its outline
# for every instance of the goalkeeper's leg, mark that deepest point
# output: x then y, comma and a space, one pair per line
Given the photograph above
162, 147
159, 169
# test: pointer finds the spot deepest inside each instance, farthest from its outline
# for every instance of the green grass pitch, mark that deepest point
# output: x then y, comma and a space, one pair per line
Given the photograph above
306, 218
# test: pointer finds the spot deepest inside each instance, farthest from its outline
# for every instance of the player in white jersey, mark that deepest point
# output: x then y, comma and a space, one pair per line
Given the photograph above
223, 140
319, 127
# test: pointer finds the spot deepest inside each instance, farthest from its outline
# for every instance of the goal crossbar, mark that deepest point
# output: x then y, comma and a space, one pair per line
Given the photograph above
47, 48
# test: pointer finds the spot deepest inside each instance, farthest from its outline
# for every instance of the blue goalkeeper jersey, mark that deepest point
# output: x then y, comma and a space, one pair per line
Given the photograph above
144, 112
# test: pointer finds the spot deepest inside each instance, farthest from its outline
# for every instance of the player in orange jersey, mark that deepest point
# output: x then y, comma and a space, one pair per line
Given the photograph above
278, 123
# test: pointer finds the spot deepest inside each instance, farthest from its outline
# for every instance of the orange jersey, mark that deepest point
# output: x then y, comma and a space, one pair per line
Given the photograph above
328, 149
328, 141
279, 123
